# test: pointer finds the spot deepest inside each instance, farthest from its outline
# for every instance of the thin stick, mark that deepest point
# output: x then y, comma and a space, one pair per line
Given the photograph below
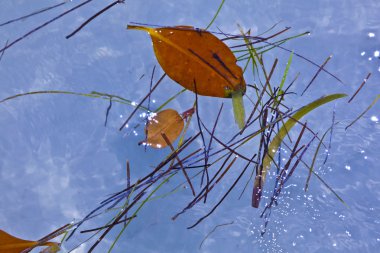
106, 226
32, 14
2, 53
108, 111
221, 200
150, 86
212, 231
258, 39
118, 218
316, 74
128, 186
179, 162
44, 24
93, 17
200, 194
205, 171
213, 132
360, 87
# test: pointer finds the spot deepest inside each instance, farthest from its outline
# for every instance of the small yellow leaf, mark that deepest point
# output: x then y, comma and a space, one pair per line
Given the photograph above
167, 122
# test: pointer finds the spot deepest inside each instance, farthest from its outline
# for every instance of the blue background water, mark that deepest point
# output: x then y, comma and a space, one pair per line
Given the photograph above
58, 160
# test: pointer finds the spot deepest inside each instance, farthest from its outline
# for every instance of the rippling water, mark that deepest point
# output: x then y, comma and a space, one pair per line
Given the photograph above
58, 161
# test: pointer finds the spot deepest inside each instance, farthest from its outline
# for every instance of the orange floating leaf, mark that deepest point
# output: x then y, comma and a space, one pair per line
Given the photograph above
168, 122
197, 60
200, 62
11, 244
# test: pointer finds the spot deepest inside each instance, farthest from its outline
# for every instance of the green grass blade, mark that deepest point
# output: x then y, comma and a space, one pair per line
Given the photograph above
330, 189
238, 106
286, 73
365, 111
94, 94
216, 15
311, 168
169, 100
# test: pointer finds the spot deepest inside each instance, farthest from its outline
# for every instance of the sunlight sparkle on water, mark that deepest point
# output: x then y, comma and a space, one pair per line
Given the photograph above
347, 167
376, 53
371, 35
152, 115
374, 119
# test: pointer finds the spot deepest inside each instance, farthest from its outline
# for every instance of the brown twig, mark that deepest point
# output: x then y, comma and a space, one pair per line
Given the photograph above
93, 17
44, 24
360, 87
316, 74
179, 162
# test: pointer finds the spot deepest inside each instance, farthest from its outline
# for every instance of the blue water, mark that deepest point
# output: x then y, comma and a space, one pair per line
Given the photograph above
58, 161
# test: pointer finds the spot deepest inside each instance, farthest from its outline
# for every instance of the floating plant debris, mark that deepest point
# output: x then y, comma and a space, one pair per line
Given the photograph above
200, 62
274, 145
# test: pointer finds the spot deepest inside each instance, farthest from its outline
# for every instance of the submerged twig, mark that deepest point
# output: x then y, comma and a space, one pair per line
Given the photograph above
213, 230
